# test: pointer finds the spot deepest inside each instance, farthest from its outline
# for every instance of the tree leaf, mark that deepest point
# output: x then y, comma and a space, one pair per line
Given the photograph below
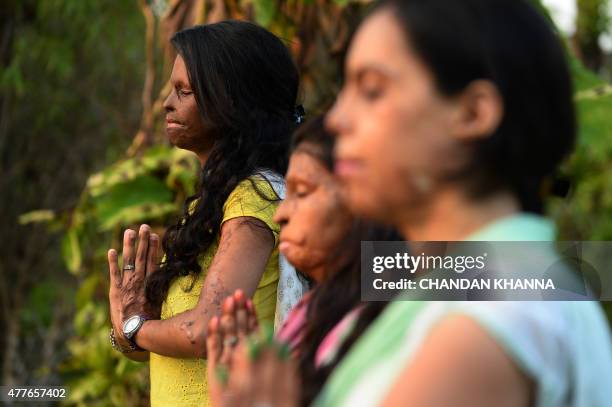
132, 200
265, 10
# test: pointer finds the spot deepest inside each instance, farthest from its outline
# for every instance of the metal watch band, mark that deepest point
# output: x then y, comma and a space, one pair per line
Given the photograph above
116, 346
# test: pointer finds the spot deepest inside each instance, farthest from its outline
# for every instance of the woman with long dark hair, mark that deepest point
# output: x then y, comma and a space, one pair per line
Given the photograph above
467, 114
453, 116
321, 238
232, 103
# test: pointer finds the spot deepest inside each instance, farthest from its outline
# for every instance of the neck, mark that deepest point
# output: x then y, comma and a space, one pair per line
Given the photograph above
202, 157
451, 216
319, 274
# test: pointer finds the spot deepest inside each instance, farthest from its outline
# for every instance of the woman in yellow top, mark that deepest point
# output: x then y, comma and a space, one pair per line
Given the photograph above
234, 89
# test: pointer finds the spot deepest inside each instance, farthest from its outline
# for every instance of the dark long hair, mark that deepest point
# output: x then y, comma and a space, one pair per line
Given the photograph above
341, 292
332, 301
511, 44
245, 84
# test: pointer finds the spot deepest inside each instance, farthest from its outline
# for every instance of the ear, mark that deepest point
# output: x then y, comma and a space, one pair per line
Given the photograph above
480, 109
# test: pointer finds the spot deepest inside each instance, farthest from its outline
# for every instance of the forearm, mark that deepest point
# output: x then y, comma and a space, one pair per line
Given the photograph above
182, 336
142, 356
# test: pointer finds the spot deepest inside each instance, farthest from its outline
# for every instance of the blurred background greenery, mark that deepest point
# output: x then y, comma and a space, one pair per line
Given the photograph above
83, 157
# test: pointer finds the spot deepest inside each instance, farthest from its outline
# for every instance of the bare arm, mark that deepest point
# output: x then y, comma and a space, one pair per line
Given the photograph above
460, 365
239, 263
138, 356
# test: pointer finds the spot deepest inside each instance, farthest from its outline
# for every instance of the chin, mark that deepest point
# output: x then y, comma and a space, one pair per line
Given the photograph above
173, 138
302, 263
311, 272
296, 261
181, 143
182, 146
177, 137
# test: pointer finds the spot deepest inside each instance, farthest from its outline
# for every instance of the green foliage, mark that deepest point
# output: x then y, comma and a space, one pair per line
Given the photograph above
264, 12
132, 191
95, 374
133, 201
145, 189
587, 213
593, 19
70, 84
90, 51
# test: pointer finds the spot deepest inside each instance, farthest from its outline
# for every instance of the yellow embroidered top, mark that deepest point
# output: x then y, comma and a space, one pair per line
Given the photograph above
182, 382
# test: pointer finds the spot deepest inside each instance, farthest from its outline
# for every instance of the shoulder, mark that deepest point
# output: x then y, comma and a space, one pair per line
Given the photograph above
449, 347
545, 341
256, 189
255, 197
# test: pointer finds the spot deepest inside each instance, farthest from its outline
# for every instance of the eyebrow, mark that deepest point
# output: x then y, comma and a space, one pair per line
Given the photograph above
371, 67
298, 179
179, 82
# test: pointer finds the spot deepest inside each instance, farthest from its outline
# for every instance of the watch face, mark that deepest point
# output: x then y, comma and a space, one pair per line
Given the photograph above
131, 324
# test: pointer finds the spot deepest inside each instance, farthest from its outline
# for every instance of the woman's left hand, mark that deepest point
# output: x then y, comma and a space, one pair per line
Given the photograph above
262, 372
127, 288
237, 321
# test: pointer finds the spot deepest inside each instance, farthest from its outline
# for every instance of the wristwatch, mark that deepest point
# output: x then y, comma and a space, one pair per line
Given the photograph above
131, 327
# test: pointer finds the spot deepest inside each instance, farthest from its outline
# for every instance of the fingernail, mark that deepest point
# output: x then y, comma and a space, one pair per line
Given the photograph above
239, 298
229, 302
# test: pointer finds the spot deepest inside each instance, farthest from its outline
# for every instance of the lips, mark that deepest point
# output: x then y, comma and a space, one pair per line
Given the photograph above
172, 123
347, 166
285, 244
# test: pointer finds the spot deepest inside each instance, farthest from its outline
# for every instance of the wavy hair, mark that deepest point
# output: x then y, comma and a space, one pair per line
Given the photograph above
246, 85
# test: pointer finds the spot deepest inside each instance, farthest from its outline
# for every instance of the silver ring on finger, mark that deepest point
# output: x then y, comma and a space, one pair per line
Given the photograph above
262, 404
129, 267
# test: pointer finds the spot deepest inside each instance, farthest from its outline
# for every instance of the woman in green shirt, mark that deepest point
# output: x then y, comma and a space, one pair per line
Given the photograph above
453, 116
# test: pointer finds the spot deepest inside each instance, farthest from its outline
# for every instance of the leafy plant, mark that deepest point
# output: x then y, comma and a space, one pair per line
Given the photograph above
151, 180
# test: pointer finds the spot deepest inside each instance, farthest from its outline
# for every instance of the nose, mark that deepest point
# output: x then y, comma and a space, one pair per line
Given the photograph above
281, 216
334, 123
169, 102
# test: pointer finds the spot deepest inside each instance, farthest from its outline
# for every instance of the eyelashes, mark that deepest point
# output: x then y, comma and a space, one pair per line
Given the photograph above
372, 93
371, 89
370, 85
182, 93
300, 192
